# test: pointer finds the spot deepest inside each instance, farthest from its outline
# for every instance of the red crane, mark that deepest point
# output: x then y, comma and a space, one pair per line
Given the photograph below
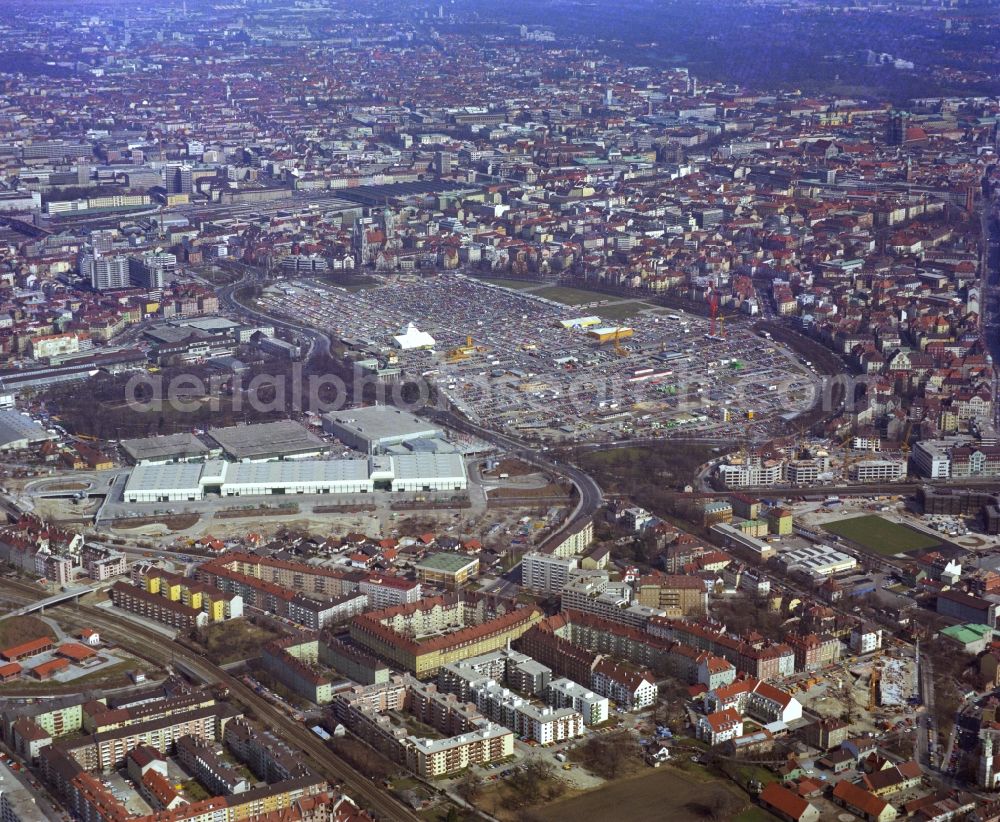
713, 308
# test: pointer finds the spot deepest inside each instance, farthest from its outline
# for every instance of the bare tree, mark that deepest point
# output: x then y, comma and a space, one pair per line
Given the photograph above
469, 787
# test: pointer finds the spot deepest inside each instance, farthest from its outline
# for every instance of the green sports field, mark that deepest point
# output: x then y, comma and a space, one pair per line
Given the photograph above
879, 536
570, 296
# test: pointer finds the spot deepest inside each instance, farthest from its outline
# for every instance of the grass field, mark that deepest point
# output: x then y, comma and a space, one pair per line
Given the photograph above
15, 630
655, 794
570, 296
234, 639
621, 311
755, 814
879, 536
517, 285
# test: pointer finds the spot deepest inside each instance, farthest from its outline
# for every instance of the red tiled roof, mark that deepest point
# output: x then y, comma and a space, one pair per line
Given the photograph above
32, 646
857, 797
75, 651
784, 801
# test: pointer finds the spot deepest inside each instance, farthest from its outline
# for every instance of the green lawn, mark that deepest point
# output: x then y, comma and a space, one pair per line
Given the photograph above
570, 296
879, 536
517, 285
621, 311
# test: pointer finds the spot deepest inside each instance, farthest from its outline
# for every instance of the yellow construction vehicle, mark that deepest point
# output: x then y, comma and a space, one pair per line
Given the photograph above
463, 352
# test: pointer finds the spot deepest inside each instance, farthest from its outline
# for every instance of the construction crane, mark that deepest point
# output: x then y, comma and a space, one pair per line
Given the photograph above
905, 447
620, 350
713, 309
873, 682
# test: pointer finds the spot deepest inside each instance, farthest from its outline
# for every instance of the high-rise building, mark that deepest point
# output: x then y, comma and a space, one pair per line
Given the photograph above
442, 163
179, 179
895, 128
103, 241
105, 273
152, 270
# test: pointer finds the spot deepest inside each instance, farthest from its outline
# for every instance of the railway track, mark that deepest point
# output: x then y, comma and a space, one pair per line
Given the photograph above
151, 645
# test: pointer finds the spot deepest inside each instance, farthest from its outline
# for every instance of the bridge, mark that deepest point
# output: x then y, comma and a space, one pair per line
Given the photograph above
48, 602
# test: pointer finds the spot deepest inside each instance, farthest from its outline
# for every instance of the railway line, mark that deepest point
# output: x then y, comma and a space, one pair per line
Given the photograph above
150, 645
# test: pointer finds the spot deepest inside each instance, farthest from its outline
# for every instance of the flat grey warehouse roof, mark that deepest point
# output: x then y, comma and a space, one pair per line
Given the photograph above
173, 476
269, 439
296, 472
15, 428
170, 446
377, 422
437, 466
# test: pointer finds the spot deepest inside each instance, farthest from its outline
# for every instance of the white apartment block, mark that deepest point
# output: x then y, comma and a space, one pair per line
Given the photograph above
932, 459
546, 573
542, 724
628, 689
865, 639
883, 470
740, 475
565, 693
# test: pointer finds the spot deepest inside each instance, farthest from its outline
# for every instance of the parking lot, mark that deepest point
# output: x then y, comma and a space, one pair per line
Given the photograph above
525, 371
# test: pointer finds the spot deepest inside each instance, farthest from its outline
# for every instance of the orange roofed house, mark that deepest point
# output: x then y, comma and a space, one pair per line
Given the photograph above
787, 805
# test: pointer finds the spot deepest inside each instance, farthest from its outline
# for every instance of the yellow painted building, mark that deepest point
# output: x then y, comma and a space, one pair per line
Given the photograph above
780, 521
218, 605
381, 633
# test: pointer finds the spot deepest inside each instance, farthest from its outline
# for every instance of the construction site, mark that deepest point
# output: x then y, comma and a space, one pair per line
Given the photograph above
524, 362
873, 693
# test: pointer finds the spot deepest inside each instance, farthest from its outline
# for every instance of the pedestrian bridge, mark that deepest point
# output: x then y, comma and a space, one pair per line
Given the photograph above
48, 602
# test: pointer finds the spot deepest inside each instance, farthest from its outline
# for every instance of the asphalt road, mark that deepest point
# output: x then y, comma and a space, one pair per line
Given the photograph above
319, 343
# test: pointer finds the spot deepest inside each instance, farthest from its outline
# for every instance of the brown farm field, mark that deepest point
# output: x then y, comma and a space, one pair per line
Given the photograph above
663, 793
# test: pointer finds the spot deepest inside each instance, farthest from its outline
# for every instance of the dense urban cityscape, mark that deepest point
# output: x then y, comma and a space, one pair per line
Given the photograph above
522, 412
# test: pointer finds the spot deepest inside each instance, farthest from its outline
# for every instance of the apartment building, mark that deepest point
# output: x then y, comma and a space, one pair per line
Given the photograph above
201, 760
719, 726
544, 725
153, 606
218, 605
293, 662
597, 594
460, 628
565, 693
389, 591
106, 750
472, 739
675, 595
546, 573
630, 689
768, 661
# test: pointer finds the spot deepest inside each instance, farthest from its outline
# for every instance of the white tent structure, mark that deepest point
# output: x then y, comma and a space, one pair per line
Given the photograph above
411, 337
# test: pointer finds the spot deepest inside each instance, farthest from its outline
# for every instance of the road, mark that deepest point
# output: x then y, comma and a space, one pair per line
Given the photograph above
319, 343
151, 645
926, 729
589, 495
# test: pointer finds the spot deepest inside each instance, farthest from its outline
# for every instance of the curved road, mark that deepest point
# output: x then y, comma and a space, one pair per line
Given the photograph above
590, 497
319, 343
